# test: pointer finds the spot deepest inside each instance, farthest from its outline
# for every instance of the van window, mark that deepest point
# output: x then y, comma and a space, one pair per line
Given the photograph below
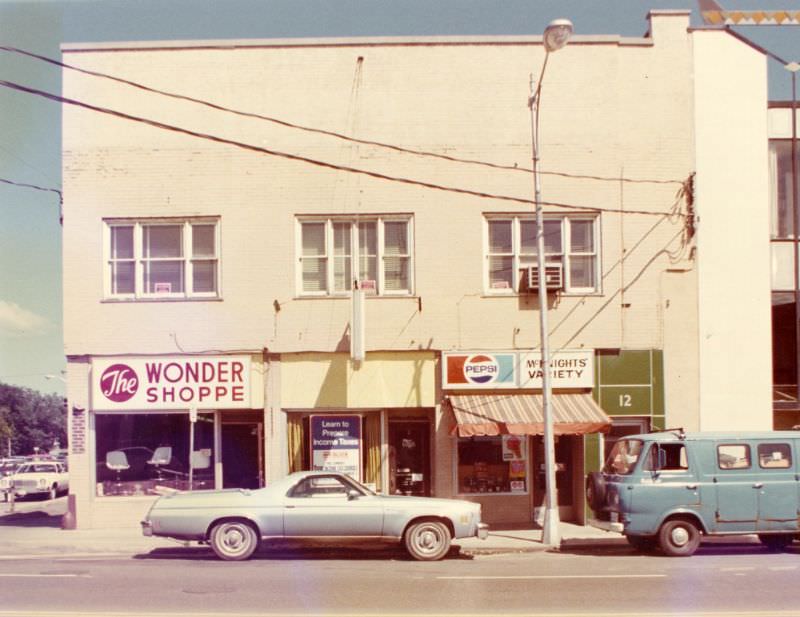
667, 457
624, 456
733, 456
774, 455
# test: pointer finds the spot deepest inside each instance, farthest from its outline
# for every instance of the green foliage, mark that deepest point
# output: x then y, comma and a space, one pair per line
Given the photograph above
31, 419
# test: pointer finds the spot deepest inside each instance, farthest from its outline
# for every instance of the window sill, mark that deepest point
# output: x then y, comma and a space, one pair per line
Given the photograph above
367, 296
561, 293
156, 300
488, 494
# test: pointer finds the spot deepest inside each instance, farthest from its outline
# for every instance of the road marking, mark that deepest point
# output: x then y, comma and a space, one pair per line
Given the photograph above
20, 575
65, 556
549, 577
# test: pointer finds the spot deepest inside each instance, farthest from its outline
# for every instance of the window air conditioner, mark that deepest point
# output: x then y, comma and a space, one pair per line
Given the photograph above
553, 277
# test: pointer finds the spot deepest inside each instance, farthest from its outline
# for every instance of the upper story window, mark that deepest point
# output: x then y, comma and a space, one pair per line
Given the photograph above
336, 251
571, 242
781, 189
152, 258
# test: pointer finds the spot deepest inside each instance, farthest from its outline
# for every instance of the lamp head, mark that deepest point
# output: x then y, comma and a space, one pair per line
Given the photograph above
557, 34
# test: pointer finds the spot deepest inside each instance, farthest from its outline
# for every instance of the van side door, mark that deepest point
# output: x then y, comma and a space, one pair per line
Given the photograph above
737, 487
778, 494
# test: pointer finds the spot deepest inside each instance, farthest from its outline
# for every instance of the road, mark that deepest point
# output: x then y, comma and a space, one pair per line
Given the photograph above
729, 579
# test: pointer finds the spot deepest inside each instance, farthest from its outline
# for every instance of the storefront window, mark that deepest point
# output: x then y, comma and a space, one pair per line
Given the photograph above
146, 454
493, 464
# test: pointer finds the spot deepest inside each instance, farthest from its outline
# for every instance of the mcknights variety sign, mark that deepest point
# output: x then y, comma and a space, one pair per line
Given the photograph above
210, 382
490, 370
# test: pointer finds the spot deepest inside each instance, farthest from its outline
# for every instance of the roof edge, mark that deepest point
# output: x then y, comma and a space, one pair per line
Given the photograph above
400, 41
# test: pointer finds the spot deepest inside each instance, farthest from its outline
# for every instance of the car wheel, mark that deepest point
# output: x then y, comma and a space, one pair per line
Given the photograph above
233, 540
595, 490
642, 543
427, 540
679, 538
776, 542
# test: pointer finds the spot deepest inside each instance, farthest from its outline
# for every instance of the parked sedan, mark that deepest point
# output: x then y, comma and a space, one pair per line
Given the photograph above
312, 504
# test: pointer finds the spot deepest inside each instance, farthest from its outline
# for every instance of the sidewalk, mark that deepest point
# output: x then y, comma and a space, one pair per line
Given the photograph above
34, 529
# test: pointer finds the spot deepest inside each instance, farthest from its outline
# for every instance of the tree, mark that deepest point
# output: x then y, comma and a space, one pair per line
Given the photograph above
5, 430
32, 419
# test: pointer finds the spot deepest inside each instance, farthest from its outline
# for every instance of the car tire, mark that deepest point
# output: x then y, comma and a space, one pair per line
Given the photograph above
596, 490
643, 544
776, 542
427, 540
679, 538
233, 540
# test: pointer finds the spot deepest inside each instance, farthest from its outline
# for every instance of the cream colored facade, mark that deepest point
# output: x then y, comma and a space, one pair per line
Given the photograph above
652, 110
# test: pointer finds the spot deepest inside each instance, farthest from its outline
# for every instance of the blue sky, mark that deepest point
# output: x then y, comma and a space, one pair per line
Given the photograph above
30, 235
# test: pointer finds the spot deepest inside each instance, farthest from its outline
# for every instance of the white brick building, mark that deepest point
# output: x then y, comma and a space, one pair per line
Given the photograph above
236, 255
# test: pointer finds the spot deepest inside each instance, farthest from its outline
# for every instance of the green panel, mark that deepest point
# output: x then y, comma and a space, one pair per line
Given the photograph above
625, 367
591, 452
658, 382
658, 423
626, 400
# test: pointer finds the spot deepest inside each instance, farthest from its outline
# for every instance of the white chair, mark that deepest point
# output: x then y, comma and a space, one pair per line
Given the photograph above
200, 460
162, 456
117, 460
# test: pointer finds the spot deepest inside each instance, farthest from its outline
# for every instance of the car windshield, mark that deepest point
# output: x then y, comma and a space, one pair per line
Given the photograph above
37, 468
624, 456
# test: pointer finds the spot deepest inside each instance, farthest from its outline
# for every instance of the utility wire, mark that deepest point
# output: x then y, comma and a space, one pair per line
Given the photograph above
33, 186
303, 159
301, 127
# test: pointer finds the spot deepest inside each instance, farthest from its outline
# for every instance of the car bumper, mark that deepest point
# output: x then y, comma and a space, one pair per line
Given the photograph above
147, 528
482, 532
607, 525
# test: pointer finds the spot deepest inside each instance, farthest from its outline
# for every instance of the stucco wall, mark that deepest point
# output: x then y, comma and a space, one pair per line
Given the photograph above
610, 107
733, 261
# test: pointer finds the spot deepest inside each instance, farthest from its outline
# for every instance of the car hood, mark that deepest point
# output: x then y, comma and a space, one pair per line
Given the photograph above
427, 502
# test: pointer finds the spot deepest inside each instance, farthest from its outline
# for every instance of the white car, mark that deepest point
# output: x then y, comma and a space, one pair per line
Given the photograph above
37, 478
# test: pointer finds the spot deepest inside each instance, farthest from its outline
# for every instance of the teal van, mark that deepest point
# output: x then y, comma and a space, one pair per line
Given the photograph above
668, 489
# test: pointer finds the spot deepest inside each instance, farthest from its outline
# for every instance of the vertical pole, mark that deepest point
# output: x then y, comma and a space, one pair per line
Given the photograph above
796, 229
550, 530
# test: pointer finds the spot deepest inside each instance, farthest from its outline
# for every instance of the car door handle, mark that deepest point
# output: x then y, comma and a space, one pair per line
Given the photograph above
691, 487
758, 485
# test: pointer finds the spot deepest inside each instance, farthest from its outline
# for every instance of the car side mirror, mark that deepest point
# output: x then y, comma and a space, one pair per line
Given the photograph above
353, 494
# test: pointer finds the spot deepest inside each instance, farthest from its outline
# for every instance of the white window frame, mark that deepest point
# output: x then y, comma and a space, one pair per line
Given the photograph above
139, 260
328, 254
562, 257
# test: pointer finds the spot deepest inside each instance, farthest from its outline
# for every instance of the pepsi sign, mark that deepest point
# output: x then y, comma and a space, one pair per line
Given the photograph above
479, 370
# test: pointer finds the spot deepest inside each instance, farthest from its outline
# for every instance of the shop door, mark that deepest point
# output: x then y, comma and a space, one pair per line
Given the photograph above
241, 455
409, 458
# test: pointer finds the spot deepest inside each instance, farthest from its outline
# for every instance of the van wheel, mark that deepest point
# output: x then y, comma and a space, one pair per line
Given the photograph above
679, 538
644, 544
596, 490
776, 542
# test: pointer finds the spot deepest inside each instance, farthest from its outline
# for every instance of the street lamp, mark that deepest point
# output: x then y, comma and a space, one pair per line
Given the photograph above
556, 35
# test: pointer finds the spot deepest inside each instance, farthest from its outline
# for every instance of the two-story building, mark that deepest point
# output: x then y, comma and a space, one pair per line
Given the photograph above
224, 198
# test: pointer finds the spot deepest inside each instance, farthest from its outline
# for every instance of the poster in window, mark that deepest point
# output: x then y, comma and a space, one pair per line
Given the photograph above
514, 448
336, 444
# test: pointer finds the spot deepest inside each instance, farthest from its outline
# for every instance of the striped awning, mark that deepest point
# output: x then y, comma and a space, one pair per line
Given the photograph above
521, 414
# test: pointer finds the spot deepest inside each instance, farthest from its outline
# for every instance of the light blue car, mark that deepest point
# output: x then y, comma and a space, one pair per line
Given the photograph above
667, 489
317, 505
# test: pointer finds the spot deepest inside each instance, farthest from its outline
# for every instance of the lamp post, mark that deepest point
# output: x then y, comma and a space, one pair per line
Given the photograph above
555, 37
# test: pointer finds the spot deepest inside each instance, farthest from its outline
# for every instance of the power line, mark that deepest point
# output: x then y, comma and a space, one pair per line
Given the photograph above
301, 127
33, 186
303, 159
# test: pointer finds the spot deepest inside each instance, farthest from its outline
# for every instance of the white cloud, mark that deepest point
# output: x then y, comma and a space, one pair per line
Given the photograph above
17, 321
